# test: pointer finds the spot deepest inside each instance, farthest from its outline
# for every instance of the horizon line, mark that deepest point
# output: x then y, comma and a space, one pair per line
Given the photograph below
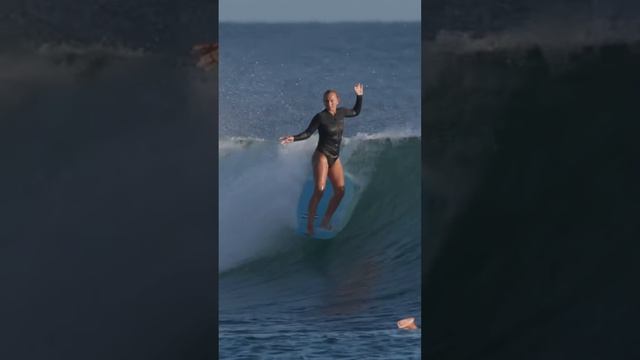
318, 22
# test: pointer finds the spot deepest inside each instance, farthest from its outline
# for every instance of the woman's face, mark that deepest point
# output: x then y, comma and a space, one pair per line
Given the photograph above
331, 102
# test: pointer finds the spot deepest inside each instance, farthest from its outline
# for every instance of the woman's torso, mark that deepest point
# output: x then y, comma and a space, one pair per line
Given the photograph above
330, 131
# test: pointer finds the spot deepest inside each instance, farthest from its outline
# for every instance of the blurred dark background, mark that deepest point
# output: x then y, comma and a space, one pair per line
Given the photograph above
108, 136
529, 179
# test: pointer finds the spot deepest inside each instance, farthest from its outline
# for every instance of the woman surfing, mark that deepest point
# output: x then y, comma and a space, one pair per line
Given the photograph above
325, 160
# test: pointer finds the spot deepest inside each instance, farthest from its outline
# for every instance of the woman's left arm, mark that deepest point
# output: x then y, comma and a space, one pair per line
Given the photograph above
359, 89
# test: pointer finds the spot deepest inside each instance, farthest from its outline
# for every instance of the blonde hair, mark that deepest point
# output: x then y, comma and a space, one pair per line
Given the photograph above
330, 91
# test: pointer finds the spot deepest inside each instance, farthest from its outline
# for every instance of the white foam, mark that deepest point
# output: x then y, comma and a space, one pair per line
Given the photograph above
260, 183
546, 31
232, 144
259, 189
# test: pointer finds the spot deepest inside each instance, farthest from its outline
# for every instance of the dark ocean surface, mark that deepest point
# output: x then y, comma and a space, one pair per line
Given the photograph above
530, 173
108, 185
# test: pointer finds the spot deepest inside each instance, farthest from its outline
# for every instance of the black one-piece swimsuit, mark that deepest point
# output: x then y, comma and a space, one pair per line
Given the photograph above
330, 129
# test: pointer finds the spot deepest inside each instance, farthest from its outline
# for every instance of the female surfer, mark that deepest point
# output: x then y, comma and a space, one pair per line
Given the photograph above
325, 161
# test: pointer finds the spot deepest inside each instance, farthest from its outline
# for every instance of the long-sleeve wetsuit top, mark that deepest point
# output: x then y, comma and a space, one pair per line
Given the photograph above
330, 129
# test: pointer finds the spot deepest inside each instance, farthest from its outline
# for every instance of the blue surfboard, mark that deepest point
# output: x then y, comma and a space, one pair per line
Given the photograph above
340, 217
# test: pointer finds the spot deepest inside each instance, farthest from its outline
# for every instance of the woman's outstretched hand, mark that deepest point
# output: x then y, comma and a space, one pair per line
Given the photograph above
359, 89
286, 139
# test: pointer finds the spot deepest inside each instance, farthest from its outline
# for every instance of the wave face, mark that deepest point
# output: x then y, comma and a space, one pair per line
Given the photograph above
108, 192
530, 197
362, 280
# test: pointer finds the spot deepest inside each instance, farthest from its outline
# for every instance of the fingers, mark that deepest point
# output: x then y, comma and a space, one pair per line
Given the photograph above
286, 139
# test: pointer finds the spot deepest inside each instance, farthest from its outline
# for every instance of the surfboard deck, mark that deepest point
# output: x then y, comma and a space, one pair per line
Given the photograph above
340, 217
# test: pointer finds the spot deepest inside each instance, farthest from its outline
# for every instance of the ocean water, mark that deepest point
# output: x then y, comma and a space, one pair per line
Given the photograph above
108, 213
283, 296
531, 198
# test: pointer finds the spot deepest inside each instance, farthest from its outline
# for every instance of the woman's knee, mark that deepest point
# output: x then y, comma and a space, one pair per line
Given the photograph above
339, 191
318, 189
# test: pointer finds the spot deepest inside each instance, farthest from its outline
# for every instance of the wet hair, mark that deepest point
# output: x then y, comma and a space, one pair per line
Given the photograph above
326, 93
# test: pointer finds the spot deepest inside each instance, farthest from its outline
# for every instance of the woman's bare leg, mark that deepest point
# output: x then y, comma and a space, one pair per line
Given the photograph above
336, 175
320, 169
